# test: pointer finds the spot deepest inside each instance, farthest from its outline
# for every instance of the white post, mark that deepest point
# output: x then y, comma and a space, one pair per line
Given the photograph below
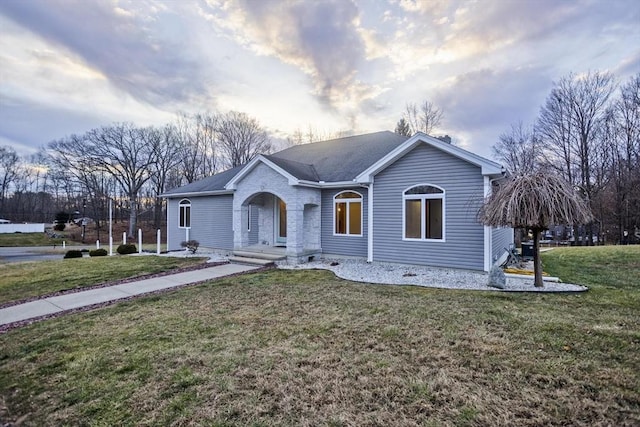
110, 227
64, 244
158, 242
124, 238
97, 244
139, 240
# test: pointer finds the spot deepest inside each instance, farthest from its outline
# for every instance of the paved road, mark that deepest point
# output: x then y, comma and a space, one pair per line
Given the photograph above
34, 253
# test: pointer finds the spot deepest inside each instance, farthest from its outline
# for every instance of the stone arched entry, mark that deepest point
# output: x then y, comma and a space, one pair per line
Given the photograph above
274, 220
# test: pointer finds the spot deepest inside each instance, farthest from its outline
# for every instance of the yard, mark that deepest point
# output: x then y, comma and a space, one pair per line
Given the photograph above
305, 348
31, 279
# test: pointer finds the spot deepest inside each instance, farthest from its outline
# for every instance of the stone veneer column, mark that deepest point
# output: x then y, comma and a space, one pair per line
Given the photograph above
240, 233
295, 230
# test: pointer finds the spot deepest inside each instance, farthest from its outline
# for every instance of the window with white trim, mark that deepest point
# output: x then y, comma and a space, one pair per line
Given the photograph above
184, 209
424, 212
347, 214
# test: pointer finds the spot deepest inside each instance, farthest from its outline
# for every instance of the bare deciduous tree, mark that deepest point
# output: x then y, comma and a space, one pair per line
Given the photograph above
569, 123
535, 202
423, 117
9, 170
519, 149
122, 152
240, 138
168, 150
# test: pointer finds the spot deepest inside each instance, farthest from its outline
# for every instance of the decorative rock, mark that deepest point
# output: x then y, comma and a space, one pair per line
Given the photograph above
497, 279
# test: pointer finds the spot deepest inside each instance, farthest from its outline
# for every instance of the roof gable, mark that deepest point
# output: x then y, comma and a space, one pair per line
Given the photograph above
277, 167
487, 166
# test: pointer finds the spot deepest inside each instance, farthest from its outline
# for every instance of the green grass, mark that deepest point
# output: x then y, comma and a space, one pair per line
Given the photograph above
609, 267
29, 239
30, 279
306, 348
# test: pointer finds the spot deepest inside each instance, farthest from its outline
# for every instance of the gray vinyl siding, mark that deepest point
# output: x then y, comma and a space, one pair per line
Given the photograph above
342, 245
253, 228
501, 238
463, 184
211, 222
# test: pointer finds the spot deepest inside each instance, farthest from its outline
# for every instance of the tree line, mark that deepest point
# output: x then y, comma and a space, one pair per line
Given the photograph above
588, 133
128, 164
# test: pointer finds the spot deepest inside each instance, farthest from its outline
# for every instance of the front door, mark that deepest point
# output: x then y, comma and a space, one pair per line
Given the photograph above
281, 222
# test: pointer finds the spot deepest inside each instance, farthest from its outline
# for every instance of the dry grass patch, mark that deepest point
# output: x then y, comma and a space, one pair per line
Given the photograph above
306, 348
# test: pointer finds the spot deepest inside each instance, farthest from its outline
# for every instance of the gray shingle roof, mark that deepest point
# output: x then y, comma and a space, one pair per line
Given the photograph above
210, 183
339, 159
301, 171
343, 159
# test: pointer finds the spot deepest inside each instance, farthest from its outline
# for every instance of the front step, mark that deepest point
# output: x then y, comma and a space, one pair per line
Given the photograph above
245, 260
259, 255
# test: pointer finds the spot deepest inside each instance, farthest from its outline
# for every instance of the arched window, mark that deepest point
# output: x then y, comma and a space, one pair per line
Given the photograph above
424, 213
184, 218
347, 214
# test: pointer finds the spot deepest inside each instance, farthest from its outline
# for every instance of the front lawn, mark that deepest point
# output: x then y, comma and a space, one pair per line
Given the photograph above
305, 348
30, 279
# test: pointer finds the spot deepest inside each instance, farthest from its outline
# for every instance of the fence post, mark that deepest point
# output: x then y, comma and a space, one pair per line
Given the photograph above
124, 238
158, 242
139, 240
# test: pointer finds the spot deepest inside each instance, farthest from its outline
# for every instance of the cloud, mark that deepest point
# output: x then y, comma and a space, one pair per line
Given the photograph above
321, 38
134, 46
486, 102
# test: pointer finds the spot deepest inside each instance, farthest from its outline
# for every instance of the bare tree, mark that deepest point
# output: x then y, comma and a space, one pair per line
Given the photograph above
168, 150
9, 170
122, 151
82, 179
569, 124
623, 139
519, 149
423, 117
197, 136
240, 138
535, 202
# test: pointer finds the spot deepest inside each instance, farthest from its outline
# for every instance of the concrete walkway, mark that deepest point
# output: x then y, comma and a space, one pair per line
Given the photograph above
60, 303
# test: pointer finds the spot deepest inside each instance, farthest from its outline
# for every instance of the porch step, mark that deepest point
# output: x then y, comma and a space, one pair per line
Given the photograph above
251, 261
259, 255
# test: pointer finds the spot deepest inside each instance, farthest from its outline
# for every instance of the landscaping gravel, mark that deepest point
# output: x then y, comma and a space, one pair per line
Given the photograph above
433, 277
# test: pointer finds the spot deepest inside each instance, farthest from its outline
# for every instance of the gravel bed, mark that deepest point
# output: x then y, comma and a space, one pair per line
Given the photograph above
432, 277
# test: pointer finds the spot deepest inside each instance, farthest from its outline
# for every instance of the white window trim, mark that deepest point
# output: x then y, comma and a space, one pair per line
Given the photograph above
423, 228
348, 203
184, 202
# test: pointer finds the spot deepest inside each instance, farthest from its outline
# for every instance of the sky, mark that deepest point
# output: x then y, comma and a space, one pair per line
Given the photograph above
337, 66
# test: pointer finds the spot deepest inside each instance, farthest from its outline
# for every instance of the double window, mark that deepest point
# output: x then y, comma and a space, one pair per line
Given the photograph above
184, 208
347, 213
424, 213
